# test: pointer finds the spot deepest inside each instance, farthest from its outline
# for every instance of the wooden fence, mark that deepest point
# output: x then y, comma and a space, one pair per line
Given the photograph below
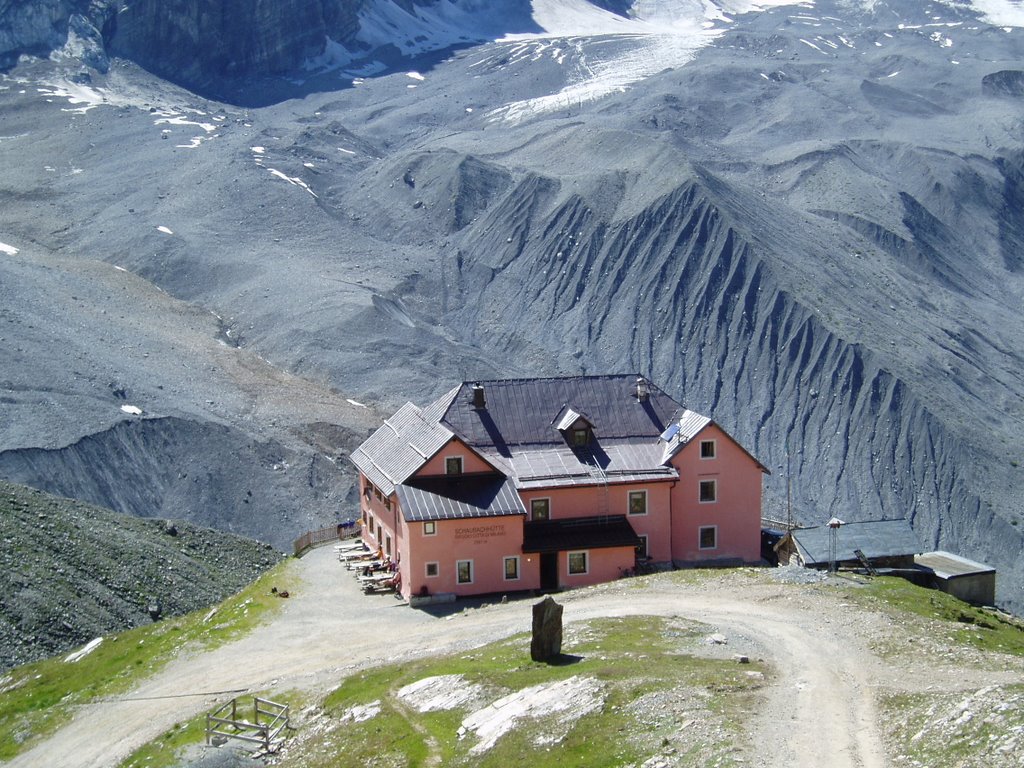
325, 535
265, 733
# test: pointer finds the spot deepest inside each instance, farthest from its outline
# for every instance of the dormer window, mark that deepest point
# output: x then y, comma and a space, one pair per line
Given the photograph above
576, 427
453, 465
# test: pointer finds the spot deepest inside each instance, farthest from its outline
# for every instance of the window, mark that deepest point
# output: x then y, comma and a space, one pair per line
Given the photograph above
511, 569
707, 449
380, 534
464, 571
387, 502
453, 465
709, 537
638, 502
540, 509
641, 548
581, 436
432, 569
708, 491
387, 545
429, 528
577, 563
377, 493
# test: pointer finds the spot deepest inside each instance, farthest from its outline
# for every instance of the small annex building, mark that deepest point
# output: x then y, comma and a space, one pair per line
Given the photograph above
526, 484
884, 543
964, 579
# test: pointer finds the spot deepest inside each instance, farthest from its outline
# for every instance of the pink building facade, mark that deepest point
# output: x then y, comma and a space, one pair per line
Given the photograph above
545, 484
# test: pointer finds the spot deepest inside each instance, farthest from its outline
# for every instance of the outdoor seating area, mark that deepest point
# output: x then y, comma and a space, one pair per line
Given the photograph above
375, 572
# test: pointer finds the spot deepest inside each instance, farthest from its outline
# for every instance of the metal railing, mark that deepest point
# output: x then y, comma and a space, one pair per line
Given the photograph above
325, 535
266, 733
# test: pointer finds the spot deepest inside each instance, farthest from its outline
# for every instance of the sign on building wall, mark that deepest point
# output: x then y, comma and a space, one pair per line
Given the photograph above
478, 534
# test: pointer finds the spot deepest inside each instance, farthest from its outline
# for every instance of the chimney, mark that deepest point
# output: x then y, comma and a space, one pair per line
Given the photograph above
642, 389
478, 397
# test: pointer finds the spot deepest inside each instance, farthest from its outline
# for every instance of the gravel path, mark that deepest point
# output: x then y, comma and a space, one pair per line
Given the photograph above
819, 711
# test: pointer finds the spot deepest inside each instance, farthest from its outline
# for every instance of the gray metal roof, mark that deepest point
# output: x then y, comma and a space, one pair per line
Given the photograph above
608, 461
451, 498
401, 446
523, 411
946, 565
875, 538
690, 424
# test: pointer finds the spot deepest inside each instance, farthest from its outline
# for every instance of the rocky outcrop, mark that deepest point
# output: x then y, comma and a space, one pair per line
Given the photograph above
194, 43
186, 41
73, 572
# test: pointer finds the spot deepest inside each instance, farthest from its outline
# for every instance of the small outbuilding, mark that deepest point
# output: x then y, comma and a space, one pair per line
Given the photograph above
965, 579
884, 544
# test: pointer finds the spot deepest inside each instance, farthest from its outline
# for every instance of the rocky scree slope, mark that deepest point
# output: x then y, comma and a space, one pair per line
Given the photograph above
73, 571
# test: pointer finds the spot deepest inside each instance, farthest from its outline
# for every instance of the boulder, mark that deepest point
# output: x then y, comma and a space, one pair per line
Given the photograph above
547, 630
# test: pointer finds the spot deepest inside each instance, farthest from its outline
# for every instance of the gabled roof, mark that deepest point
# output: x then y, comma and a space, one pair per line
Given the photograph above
466, 496
400, 447
569, 417
679, 434
522, 411
518, 430
578, 533
875, 538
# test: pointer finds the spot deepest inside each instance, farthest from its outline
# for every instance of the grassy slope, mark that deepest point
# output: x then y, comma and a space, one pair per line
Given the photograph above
36, 698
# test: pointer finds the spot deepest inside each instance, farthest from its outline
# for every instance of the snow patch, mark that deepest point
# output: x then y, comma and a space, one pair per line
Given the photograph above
998, 13
84, 651
415, 75
165, 230
356, 403
293, 180
10, 250
132, 410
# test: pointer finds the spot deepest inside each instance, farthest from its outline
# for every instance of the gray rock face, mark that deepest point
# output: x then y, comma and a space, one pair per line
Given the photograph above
202, 472
195, 42
34, 26
1005, 82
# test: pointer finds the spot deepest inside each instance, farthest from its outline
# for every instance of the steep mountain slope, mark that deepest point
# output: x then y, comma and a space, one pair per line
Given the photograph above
805, 221
73, 572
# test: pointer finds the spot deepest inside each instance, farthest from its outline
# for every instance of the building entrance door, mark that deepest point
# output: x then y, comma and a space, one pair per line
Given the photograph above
549, 571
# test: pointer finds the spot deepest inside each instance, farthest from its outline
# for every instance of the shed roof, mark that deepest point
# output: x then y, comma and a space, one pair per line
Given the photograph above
579, 533
875, 538
611, 461
449, 498
946, 565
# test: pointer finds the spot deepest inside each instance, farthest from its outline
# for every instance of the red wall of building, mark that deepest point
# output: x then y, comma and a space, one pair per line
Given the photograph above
736, 512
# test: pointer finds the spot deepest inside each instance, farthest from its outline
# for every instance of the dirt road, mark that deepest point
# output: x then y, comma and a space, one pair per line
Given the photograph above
819, 711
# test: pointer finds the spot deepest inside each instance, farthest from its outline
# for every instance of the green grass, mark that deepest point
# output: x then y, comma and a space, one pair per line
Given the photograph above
631, 658
967, 625
37, 698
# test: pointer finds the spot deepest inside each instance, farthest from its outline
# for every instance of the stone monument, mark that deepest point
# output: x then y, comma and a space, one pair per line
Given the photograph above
547, 630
